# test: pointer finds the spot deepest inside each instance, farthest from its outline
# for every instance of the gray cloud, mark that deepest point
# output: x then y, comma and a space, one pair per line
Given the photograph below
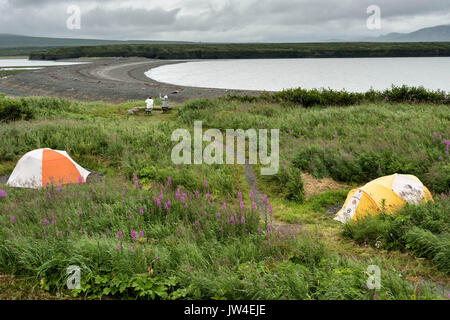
219, 20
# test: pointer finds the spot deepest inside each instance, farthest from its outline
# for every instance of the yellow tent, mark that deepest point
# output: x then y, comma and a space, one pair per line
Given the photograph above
395, 190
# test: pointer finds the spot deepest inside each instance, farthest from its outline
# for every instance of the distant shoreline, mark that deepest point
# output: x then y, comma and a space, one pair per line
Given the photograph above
112, 80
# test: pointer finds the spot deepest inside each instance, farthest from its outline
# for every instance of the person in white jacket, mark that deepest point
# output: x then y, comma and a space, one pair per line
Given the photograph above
149, 107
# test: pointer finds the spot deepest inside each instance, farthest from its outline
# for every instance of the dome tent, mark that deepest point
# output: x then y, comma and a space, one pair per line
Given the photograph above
42, 167
393, 191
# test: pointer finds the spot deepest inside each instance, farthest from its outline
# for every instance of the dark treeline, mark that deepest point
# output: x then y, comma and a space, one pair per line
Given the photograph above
19, 51
250, 51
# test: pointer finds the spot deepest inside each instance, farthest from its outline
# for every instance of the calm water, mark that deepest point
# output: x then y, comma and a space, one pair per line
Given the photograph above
9, 63
352, 74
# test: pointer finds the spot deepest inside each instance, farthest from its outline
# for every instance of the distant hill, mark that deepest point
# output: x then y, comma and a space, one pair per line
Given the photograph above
432, 34
14, 41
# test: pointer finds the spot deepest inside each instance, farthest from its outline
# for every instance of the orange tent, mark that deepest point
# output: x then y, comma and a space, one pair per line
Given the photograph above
43, 167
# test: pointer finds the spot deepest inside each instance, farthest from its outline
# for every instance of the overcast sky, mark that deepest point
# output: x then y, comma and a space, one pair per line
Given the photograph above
219, 20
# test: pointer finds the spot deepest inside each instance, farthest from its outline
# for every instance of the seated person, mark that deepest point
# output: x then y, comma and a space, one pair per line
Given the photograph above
149, 107
165, 102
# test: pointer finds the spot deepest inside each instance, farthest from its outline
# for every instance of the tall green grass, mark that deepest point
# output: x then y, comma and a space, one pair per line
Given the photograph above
422, 229
189, 249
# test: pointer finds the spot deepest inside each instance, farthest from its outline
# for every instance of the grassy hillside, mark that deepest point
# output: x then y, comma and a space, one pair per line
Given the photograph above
156, 230
251, 51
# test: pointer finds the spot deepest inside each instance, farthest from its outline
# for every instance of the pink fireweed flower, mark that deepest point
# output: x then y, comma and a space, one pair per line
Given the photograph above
218, 215
13, 219
3, 193
252, 194
259, 230
161, 196
141, 233
169, 203
240, 195
335, 133
80, 180
205, 183
53, 222
178, 195
242, 219
265, 199
80, 213
435, 134
208, 195
130, 217
169, 181
136, 181
232, 219
133, 234
254, 205
224, 206
46, 221
104, 188
270, 208
141, 211
197, 192
120, 235
118, 247
166, 206
270, 227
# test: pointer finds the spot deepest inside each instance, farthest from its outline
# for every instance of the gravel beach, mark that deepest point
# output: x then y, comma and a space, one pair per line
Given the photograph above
112, 80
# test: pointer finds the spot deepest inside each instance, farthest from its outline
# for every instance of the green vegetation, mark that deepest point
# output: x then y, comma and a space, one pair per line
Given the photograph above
251, 50
354, 144
328, 97
425, 230
131, 242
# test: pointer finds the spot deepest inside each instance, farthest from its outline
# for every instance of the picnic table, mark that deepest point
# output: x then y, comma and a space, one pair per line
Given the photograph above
136, 110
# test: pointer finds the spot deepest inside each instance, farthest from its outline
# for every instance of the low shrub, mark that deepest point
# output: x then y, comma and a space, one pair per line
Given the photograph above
329, 97
289, 182
15, 109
